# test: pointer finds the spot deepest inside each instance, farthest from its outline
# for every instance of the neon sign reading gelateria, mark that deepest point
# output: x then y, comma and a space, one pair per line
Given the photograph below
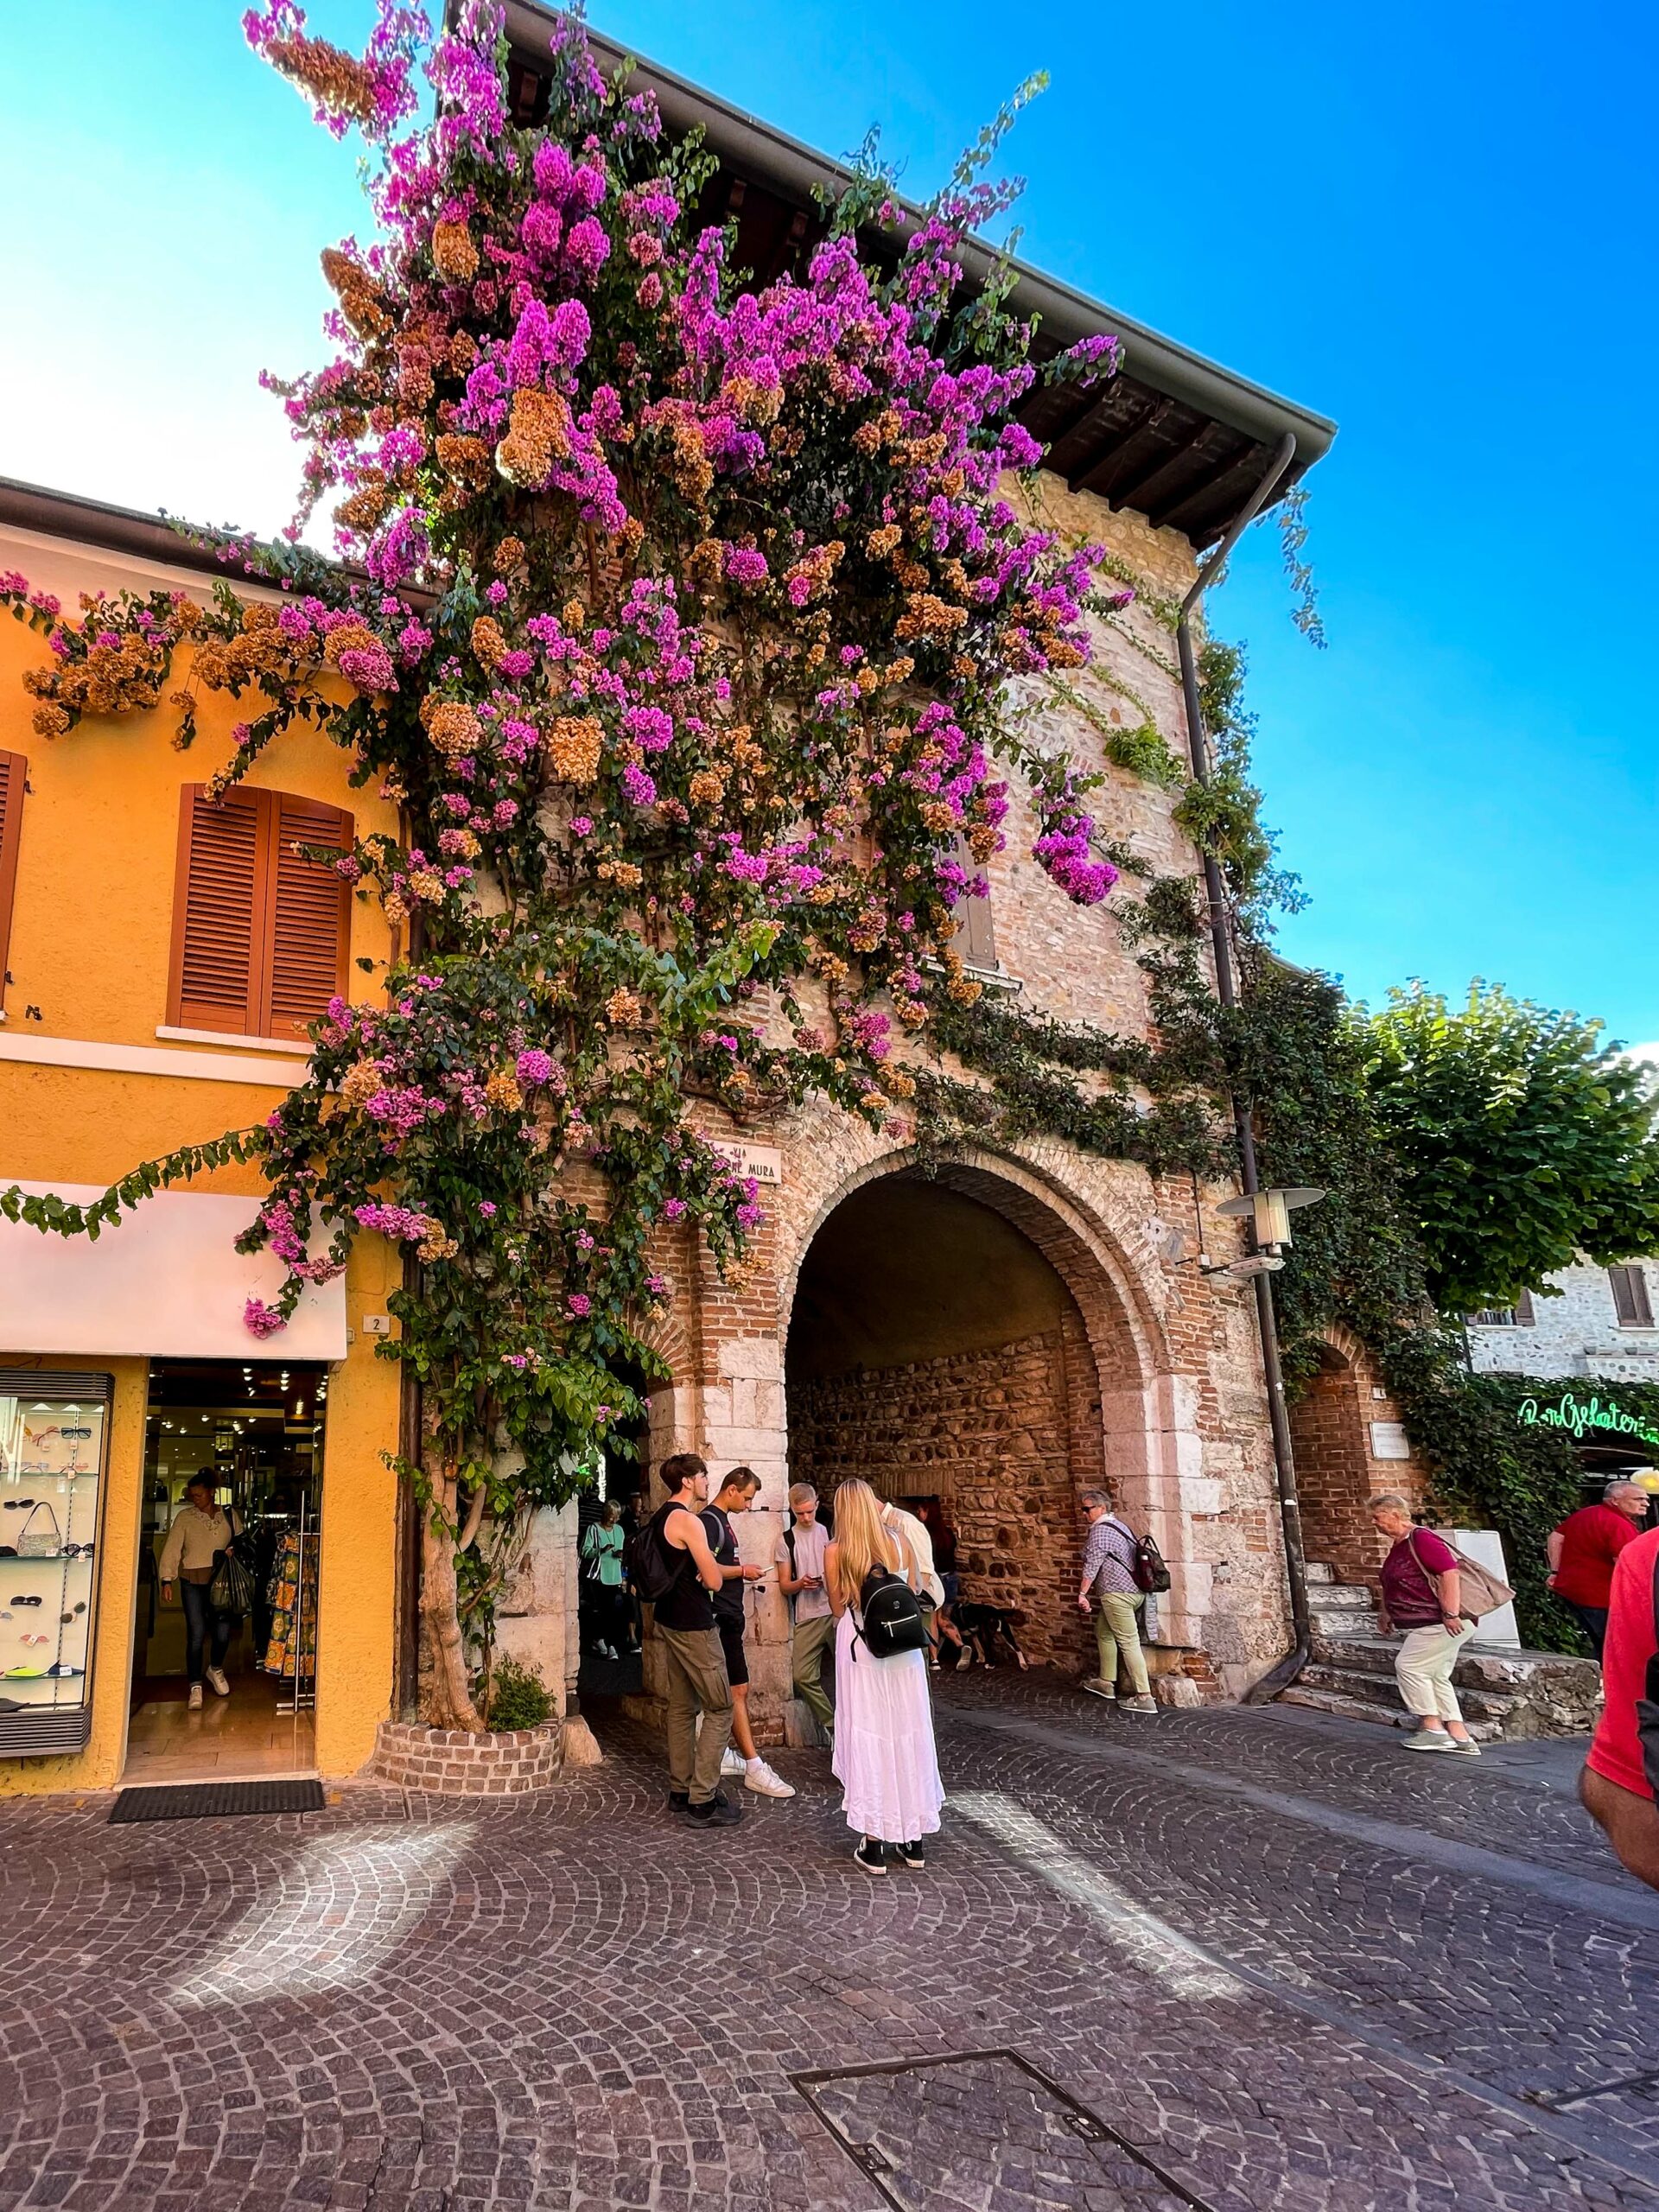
1581, 1413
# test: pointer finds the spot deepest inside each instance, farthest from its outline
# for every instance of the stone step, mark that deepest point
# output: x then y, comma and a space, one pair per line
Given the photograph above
1354, 1708
1316, 1571
1342, 1597
1362, 1687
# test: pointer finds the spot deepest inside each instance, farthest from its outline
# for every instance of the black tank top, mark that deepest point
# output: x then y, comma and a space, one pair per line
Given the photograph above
687, 1605
727, 1601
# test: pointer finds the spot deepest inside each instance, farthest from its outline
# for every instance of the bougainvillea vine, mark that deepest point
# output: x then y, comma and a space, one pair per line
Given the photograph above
676, 617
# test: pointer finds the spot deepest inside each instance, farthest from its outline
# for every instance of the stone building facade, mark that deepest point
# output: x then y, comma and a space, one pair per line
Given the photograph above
1590, 1321
1001, 1329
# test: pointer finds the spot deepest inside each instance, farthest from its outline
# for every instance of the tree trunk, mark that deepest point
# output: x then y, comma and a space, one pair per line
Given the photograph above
446, 1699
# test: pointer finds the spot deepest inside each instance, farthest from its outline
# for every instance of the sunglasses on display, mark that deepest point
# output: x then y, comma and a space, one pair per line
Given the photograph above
16, 1505
66, 1618
76, 1551
27, 1601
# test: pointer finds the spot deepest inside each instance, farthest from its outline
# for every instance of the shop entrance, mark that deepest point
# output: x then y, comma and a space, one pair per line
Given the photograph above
255, 1431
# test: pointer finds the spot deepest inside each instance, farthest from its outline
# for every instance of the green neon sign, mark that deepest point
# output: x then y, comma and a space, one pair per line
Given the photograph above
1580, 1414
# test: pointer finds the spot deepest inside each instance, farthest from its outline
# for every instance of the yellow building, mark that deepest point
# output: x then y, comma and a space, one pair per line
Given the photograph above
160, 958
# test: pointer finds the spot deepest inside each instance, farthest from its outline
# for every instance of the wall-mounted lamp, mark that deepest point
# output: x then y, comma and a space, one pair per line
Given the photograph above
1269, 1214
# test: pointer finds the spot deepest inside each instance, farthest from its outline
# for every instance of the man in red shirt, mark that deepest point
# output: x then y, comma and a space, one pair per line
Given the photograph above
1617, 1785
1583, 1550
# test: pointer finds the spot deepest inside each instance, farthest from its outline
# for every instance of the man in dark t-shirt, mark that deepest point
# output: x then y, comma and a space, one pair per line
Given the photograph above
736, 1495
693, 1661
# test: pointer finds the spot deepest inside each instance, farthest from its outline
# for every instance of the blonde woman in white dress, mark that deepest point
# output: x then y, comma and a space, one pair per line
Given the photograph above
885, 1759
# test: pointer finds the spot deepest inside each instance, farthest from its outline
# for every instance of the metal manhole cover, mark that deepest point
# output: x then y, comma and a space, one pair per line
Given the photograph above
984, 2131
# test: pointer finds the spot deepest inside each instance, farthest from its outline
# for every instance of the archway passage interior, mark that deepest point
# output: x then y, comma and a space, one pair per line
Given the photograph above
935, 1351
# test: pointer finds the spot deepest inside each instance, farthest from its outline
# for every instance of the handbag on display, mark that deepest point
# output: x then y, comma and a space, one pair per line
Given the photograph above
39, 1538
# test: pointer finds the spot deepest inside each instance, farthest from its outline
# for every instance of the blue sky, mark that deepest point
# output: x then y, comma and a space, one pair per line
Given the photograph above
1435, 224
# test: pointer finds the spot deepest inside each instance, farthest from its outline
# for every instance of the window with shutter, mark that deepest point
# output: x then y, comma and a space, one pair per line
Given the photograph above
260, 933
1630, 1300
975, 943
13, 776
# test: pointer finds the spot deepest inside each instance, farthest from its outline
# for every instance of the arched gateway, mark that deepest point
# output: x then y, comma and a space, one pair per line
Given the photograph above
952, 1337
997, 1328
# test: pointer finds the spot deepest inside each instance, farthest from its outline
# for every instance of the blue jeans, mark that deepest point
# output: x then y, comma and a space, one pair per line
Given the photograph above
202, 1618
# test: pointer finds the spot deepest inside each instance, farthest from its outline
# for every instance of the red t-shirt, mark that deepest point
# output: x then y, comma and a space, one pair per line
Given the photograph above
1617, 1752
1592, 1539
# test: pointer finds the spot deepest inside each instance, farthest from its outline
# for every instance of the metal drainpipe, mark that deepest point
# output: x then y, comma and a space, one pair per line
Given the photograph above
1281, 1676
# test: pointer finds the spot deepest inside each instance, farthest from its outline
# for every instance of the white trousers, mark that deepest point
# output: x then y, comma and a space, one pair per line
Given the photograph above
1423, 1671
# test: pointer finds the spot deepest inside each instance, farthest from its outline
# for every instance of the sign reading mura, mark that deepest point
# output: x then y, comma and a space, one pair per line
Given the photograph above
763, 1161
1582, 1415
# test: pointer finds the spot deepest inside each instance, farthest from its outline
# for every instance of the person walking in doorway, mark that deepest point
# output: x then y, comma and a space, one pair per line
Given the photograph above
200, 1533
694, 1663
1584, 1549
603, 1584
885, 1758
1108, 1581
1421, 1596
736, 1494
799, 1558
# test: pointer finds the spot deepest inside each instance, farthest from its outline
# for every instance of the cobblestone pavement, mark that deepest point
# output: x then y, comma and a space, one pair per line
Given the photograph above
1229, 1959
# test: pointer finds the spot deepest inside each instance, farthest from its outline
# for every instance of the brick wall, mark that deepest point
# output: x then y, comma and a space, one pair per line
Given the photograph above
1336, 1469
450, 1762
988, 1433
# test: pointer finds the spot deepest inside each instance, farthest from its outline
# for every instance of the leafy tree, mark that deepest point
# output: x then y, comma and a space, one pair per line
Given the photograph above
1521, 1141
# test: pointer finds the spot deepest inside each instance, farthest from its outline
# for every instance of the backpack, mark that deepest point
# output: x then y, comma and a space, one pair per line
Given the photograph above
1479, 1590
654, 1567
892, 1620
1148, 1569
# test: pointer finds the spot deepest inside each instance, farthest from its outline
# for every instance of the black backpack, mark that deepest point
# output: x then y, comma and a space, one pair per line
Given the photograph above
1149, 1571
893, 1620
653, 1566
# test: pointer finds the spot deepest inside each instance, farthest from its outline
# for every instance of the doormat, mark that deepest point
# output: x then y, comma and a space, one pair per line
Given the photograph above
214, 1801
977, 2128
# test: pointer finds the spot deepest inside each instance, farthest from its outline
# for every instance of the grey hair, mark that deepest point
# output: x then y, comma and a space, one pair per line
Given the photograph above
1619, 1482
1098, 1498
1387, 1501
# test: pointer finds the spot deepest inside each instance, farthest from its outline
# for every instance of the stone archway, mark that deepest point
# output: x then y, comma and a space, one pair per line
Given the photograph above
938, 1344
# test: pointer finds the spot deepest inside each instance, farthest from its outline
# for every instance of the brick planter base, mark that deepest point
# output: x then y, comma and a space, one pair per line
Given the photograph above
450, 1762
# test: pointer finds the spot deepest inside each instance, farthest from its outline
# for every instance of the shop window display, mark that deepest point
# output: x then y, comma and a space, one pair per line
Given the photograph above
54, 1429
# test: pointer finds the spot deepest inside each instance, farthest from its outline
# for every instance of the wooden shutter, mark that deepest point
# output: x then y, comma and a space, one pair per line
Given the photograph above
1631, 1301
259, 934
218, 912
1524, 1316
975, 941
14, 771
310, 915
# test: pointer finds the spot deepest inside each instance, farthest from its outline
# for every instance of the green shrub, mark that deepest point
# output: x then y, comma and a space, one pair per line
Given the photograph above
518, 1698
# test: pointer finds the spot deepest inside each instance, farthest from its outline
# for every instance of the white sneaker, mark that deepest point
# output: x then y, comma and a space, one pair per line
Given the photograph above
734, 1763
216, 1676
195, 1697
760, 1778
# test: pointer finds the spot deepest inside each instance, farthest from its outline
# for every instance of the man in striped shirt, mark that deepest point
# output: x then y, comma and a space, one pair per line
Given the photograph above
1109, 1576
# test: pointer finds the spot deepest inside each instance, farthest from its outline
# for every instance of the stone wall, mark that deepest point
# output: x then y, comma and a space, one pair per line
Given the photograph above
990, 1433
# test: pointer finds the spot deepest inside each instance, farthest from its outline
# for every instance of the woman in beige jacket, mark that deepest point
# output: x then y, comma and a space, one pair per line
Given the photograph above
199, 1533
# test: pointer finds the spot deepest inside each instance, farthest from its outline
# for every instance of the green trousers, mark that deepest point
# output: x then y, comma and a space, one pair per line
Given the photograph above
807, 1644
1118, 1628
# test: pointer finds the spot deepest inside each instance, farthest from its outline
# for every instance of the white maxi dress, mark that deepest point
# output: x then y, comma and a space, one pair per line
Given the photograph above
885, 1759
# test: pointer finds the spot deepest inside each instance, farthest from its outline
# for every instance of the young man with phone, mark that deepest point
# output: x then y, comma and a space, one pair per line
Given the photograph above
693, 1659
736, 1494
800, 1560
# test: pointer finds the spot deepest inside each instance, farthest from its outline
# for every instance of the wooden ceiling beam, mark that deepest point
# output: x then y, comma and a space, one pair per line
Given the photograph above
1212, 480
1103, 474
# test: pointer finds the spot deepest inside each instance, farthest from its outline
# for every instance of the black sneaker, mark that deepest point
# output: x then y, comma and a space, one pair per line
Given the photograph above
909, 1854
719, 1813
872, 1857
678, 1800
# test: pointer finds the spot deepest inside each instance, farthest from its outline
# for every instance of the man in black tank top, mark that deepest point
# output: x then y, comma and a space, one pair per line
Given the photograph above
695, 1664
736, 1495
